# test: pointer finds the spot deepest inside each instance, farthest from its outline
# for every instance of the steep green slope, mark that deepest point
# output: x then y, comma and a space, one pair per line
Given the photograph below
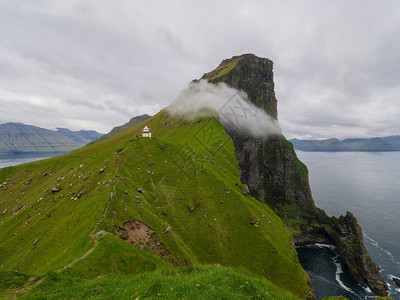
184, 182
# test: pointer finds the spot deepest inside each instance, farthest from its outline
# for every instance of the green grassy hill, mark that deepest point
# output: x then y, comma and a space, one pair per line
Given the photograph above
175, 201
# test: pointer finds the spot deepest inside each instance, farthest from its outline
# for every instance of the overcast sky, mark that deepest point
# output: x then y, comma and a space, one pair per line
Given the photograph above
95, 64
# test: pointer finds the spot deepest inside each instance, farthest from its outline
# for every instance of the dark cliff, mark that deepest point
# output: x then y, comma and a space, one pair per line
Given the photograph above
275, 175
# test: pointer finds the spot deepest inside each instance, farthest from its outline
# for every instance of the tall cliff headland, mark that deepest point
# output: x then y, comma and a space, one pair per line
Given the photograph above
274, 174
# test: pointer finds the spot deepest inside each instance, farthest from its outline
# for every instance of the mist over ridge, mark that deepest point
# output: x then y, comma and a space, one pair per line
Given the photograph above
234, 109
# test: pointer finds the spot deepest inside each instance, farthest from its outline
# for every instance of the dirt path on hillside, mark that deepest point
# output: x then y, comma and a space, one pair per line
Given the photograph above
80, 258
27, 287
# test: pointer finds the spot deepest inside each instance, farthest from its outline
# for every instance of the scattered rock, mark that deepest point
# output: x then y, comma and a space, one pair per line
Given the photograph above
190, 208
40, 199
197, 286
95, 289
125, 192
16, 209
164, 213
101, 170
35, 242
49, 215
81, 166
137, 197
28, 181
255, 224
139, 190
55, 189
99, 234
253, 221
139, 169
152, 164
166, 230
162, 146
4, 211
123, 234
245, 190
149, 173
46, 174
228, 191
119, 150
85, 178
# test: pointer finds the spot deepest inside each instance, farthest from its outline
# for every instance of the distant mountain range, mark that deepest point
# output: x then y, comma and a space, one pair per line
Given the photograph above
389, 143
132, 122
18, 138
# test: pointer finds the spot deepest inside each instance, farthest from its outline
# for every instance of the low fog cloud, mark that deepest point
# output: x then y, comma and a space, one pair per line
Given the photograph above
234, 109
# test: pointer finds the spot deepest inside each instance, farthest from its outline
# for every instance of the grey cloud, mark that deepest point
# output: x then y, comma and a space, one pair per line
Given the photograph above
95, 63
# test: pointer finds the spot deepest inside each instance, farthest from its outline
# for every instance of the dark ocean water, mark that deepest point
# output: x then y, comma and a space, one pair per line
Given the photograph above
368, 185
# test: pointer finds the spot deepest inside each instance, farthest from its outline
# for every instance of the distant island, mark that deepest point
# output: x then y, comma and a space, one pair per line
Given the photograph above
388, 143
18, 138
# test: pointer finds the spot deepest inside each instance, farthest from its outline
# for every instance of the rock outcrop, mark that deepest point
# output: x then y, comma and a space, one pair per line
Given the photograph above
274, 175
397, 281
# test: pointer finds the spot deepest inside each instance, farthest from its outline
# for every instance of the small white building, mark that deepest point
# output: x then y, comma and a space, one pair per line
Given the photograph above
146, 132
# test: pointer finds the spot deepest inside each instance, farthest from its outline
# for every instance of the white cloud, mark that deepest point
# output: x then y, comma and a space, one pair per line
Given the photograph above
234, 109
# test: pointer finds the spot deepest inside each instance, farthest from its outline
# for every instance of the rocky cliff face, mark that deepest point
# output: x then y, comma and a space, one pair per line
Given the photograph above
277, 177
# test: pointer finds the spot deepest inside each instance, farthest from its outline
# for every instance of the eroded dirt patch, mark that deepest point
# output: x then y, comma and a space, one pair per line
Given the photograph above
143, 236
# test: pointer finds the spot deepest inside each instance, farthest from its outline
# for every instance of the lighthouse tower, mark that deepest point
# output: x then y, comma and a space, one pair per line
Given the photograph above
146, 132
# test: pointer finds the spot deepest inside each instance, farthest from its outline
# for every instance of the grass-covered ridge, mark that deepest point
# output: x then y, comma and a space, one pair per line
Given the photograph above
194, 282
223, 69
188, 181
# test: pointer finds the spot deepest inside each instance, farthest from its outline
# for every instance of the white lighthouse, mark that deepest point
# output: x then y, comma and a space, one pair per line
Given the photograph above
146, 132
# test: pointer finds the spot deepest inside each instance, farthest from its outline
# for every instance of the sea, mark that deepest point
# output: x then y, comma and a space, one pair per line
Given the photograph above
13, 160
368, 185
